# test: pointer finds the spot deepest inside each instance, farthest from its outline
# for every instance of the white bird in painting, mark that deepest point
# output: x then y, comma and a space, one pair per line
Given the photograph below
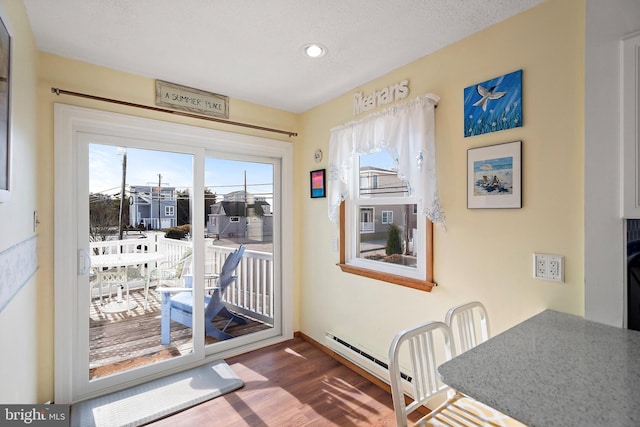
486, 95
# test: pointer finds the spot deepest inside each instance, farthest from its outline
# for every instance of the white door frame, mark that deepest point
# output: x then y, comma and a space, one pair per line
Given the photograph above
69, 122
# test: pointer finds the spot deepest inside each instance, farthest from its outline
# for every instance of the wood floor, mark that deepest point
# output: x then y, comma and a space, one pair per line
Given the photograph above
292, 384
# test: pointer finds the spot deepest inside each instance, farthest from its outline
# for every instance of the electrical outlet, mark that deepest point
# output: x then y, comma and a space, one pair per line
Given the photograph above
540, 267
548, 267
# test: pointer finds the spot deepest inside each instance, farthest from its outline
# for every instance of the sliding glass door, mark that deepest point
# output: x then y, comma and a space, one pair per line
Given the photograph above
180, 254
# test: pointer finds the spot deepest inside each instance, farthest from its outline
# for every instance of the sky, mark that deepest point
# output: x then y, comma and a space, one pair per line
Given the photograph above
381, 159
144, 166
493, 164
221, 176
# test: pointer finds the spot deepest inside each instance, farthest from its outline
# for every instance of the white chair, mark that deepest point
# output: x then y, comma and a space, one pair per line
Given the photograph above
469, 324
420, 379
169, 273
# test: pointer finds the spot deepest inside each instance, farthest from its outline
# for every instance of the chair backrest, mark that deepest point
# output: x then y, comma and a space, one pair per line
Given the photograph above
225, 278
231, 263
418, 344
469, 324
117, 275
184, 264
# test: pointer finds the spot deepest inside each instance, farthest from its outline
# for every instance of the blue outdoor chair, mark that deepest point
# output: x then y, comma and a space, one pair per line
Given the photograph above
179, 307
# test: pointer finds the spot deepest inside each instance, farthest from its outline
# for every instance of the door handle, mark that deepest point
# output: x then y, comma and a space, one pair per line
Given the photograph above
84, 262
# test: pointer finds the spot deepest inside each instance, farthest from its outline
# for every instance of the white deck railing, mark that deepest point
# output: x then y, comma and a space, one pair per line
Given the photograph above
251, 294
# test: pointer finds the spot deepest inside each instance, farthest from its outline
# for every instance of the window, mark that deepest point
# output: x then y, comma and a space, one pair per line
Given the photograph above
387, 216
366, 220
169, 211
408, 183
389, 247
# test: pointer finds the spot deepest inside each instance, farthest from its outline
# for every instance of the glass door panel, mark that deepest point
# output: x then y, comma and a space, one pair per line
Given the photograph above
241, 204
140, 246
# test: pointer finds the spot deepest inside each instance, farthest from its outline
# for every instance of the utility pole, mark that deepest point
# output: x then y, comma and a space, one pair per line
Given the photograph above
124, 180
159, 189
246, 220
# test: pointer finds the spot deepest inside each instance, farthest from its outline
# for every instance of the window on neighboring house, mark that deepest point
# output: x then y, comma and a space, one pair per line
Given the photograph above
387, 217
392, 177
367, 220
169, 211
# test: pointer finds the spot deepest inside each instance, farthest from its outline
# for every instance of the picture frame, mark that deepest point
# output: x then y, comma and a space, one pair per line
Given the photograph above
494, 176
5, 113
493, 105
318, 183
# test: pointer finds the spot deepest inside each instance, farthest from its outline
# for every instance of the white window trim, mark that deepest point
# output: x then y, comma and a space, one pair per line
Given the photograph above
386, 214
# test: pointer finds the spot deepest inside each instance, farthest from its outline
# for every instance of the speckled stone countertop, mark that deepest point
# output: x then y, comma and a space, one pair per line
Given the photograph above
555, 369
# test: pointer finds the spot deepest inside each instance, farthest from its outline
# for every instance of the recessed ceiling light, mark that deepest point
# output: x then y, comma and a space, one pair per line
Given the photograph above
314, 50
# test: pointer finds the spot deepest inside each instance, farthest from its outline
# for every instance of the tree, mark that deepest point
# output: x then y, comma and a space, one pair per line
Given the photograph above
394, 245
104, 212
184, 206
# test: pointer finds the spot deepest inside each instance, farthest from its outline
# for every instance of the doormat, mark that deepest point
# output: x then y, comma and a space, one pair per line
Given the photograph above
158, 398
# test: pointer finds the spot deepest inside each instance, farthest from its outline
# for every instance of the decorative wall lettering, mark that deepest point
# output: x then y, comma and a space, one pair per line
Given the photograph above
380, 97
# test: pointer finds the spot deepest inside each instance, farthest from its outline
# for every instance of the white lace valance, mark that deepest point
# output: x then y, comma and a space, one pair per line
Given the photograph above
406, 130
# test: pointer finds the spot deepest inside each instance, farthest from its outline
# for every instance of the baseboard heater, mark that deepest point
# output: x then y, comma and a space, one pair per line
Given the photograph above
361, 357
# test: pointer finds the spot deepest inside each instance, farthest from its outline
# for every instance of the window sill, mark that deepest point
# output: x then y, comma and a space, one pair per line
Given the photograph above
422, 285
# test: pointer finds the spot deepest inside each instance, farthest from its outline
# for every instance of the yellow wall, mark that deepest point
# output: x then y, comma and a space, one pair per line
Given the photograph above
81, 77
485, 254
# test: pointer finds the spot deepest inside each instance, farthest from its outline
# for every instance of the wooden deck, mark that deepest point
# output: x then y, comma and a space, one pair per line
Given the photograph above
122, 341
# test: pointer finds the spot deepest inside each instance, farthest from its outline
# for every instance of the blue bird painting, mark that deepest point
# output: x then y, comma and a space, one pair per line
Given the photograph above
493, 105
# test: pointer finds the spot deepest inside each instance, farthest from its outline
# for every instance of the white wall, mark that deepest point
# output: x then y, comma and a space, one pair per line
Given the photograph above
606, 23
21, 366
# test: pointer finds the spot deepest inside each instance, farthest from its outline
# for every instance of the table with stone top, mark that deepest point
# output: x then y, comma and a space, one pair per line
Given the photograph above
555, 369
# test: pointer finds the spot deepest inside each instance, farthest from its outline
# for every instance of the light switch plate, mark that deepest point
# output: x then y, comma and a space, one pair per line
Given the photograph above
548, 267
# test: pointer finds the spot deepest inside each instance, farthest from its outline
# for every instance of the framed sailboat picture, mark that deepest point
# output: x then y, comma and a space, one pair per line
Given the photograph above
494, 176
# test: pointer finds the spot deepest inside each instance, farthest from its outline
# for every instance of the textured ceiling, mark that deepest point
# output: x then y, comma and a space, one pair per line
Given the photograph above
251, 49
